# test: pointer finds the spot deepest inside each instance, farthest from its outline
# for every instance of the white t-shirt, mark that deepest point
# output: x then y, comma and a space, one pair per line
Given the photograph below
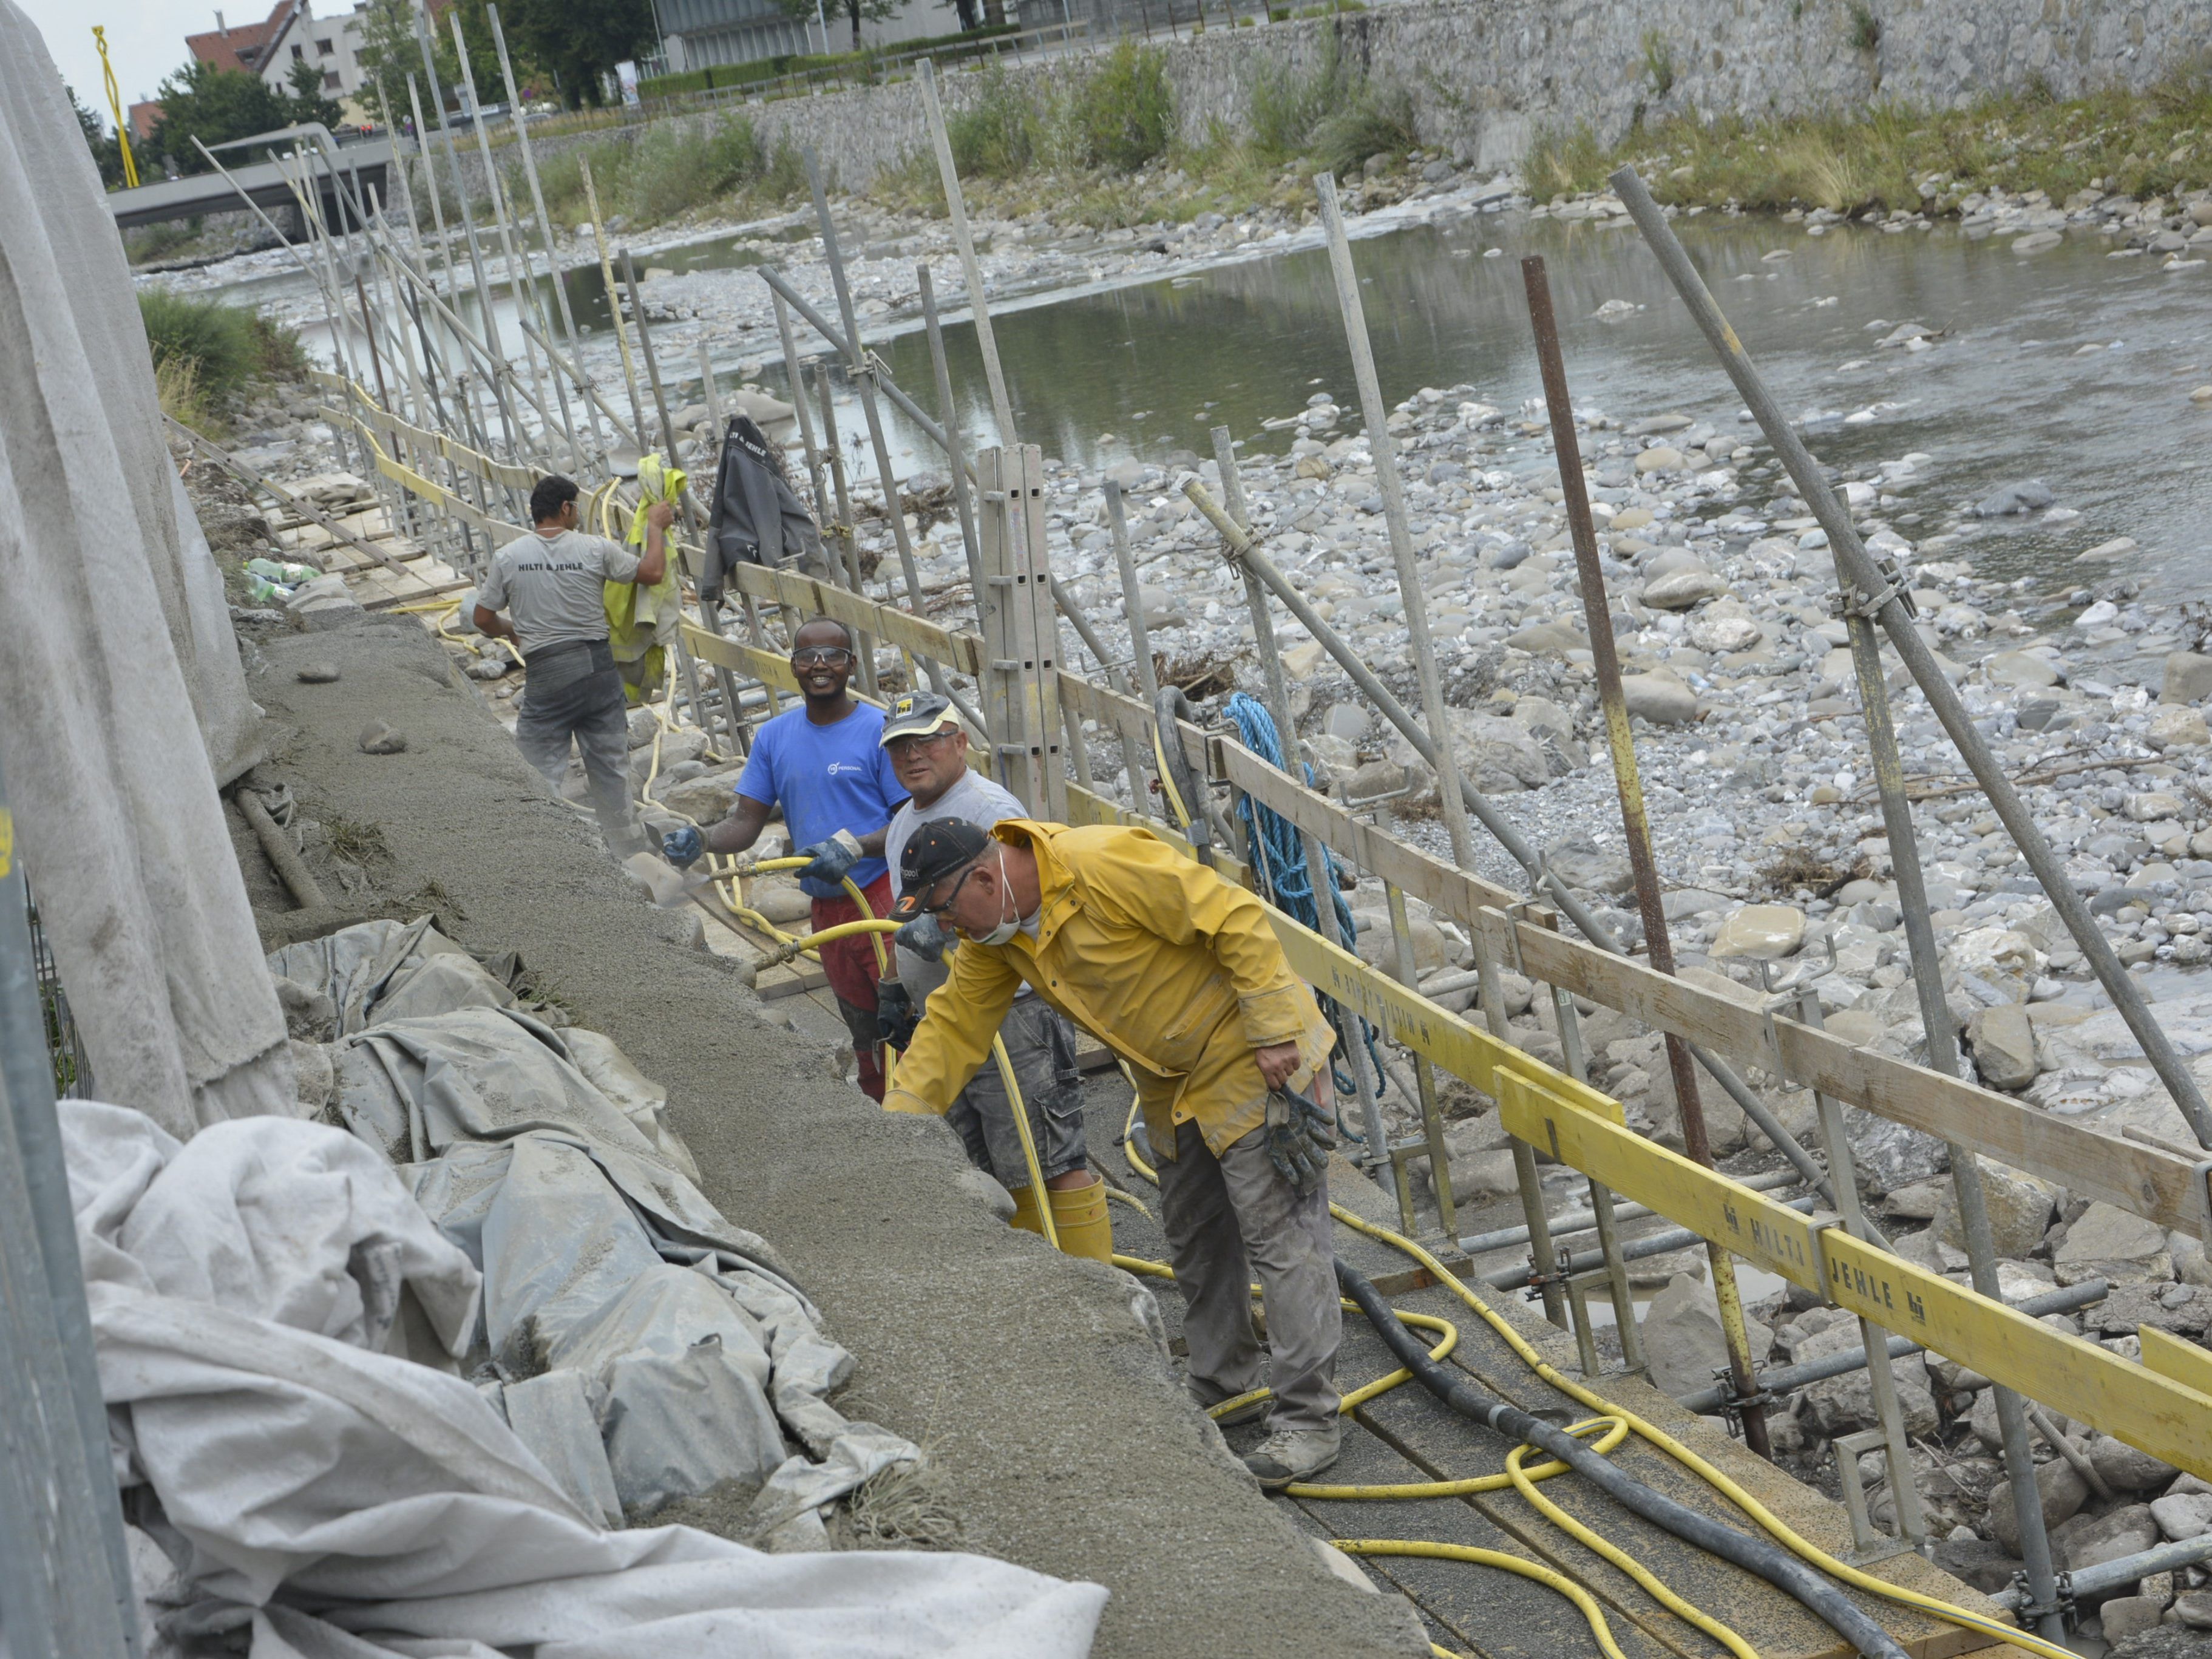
980, 802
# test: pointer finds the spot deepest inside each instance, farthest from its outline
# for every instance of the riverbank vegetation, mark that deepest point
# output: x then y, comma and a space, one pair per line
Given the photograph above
210, 358
2154, 141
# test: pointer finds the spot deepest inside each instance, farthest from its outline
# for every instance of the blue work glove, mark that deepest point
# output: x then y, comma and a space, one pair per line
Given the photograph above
832, 858
1300, 1136
925, 936
683, 847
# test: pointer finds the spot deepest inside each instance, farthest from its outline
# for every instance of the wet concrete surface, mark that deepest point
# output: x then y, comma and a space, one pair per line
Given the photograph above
1053, 1432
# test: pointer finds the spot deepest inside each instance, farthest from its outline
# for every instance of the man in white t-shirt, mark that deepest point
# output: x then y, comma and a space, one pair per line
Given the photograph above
929, 753
552, 583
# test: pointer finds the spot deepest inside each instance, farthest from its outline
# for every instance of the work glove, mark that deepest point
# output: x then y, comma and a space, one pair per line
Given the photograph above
832, 858
895, 1014
1300, 1136
683, 847
925, 936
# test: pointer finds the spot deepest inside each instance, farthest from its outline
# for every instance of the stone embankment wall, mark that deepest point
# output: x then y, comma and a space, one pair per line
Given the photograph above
1485, 75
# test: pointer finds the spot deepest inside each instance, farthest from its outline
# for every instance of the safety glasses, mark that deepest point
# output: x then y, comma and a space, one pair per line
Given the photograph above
829, 656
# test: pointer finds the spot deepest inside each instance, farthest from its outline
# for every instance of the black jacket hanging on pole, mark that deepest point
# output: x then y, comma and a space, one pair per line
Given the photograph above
758, 518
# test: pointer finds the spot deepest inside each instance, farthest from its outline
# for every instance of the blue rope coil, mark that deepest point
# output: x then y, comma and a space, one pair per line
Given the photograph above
1282, 854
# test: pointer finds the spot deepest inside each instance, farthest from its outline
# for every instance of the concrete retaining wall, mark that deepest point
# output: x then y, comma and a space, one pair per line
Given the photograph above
1485, 75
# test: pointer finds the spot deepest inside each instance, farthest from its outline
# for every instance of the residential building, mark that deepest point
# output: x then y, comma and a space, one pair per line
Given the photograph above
293, 34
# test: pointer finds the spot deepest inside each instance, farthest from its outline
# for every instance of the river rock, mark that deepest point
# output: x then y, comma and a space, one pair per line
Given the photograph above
2063, 1492
2124, 1468
1682, 1339
2183, 1515
2177, 728
1581, 862
2004, 1052
2169, 1641
2091, 1540
1768, 932
2036, 241
2188, 678
706, 798
318, 673
2182, 1310
1683, 588
2125, 1616
1539, 638
1162, 609
2019, 1206
2033, 496
1841, 1405
1498, 756
2110, 1243
2021, 668
1300, 661
1889, 1155
1660, 698
379, 739
1660, 458
779, 898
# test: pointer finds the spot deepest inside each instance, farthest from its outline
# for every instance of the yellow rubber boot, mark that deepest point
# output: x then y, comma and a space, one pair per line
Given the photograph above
1079, 1214
1025, 1211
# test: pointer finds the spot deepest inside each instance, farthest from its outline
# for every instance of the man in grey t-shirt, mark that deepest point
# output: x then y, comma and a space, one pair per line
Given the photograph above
929, 753
552, 584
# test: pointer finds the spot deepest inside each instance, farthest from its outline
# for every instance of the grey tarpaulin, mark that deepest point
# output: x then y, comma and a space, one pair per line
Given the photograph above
694, 1353
322, 1500
124, 698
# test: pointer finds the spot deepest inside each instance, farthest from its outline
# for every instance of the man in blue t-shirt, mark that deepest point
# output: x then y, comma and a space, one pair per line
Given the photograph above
823, 763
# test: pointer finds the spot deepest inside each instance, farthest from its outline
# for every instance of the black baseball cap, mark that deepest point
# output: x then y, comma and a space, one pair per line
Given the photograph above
936, 850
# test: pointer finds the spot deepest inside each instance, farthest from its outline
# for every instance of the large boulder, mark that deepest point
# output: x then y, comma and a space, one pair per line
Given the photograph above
1841, 1405
1579, 861
1682, 1339
2188, 678
2003, 1043
2182, 1515
2019, 1206
1889, 1155
2110, 1243
1497, 755
2124, 1468
1767, 932
1660, 698
2063, 1491
2092, 1540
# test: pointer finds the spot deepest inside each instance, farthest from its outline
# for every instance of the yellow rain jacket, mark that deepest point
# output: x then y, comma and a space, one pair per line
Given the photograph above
642, 622
1169, 965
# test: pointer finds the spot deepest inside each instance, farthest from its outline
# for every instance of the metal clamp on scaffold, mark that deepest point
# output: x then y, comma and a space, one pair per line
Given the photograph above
1895, 586
1788, 995
2030, 1612
1733, 1406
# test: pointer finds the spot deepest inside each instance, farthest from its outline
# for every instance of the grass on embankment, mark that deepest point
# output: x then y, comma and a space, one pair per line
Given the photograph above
208, 356
2155, 142
1097, 148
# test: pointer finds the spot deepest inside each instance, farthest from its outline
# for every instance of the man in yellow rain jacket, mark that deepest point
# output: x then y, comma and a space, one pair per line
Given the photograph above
1178, 972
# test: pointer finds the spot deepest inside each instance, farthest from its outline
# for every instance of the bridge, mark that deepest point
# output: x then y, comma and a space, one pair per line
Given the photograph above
363, 164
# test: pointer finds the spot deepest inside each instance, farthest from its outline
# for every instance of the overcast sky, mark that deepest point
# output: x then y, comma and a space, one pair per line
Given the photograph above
145, 39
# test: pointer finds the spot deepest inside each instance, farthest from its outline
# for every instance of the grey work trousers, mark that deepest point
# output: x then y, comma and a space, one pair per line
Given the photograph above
575, 691
1230, 1219
1041, 1047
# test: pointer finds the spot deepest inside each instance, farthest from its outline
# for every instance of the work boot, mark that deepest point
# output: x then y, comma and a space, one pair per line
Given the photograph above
1294, 1455
1026, 1216
1250, 1411
1079, 1217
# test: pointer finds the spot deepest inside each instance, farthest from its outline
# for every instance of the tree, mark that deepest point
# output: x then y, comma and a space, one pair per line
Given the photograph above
307, 104
107, 152
214, 105
578, 42
856, 13
389, 54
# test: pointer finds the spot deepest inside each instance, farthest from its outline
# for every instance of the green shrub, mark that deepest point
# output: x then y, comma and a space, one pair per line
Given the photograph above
673, 169
217, 339
1375, 122
998, 135
1123, 113
1288, 106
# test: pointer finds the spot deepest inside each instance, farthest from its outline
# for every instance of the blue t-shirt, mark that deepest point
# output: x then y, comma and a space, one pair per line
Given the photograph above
826, 778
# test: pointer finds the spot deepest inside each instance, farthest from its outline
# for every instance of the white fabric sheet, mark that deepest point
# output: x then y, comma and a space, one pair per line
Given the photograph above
326, 1501
120, 679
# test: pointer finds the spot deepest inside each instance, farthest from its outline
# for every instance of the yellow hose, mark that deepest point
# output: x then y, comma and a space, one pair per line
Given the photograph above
1556, 1581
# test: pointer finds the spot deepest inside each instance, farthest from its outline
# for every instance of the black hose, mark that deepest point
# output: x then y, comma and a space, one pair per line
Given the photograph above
1757, 1555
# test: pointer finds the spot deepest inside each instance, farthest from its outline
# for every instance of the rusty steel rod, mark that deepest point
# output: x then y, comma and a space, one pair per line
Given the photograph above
1636, 826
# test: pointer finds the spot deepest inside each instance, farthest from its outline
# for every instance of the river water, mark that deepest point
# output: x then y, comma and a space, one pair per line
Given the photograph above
2068, 366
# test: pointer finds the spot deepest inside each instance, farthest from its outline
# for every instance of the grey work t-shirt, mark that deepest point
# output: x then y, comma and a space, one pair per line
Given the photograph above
551, 586
981, 803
